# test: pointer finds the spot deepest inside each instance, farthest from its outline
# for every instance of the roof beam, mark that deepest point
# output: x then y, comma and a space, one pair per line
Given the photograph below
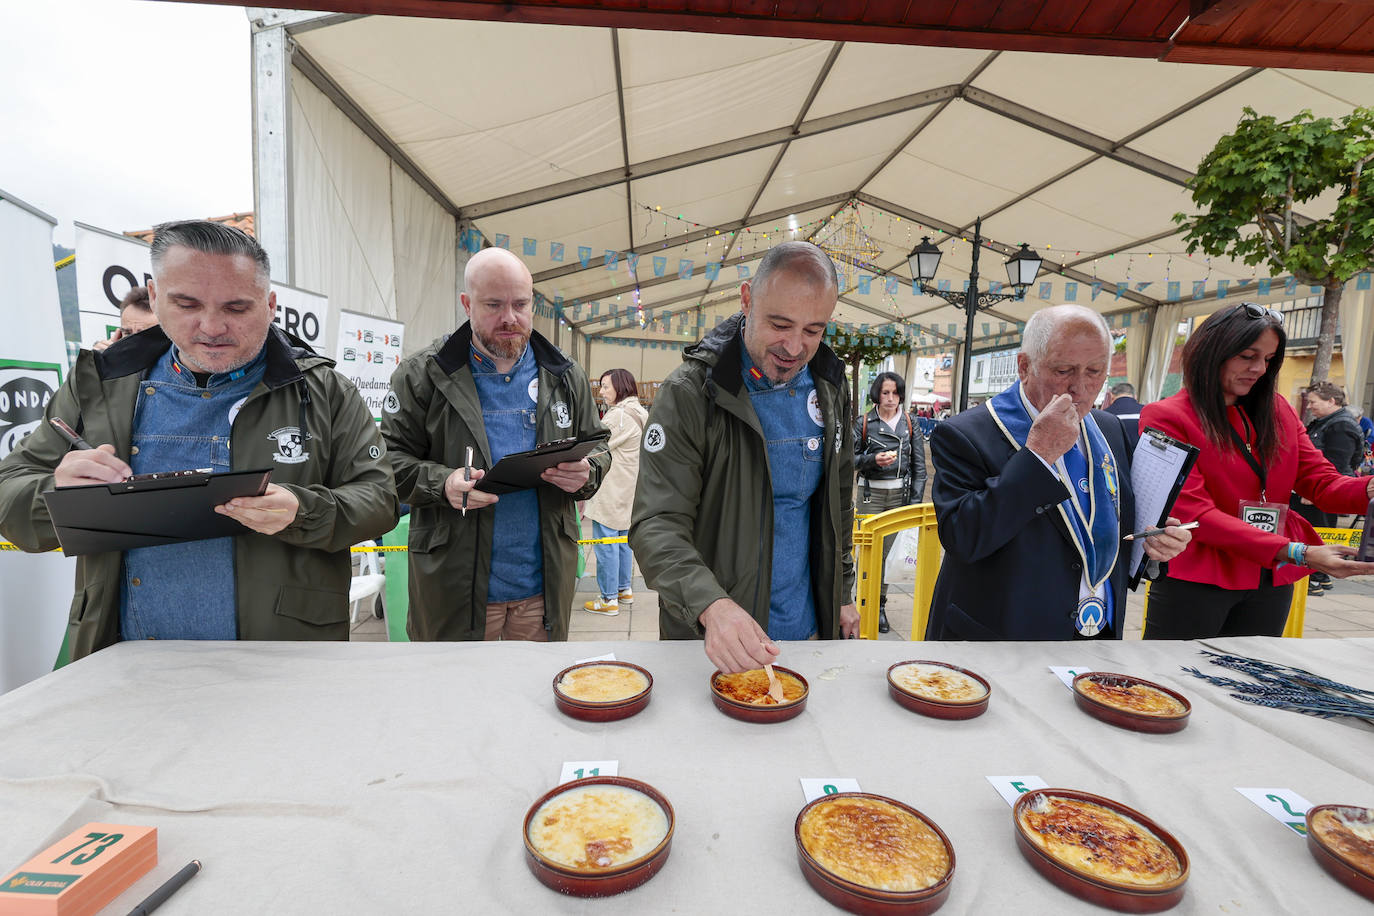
1156, 123
554, 273
711, 153
312, 71
624, 138
1071, 133
896, 151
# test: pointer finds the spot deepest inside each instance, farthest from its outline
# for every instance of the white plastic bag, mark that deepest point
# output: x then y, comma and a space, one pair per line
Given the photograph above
900, 565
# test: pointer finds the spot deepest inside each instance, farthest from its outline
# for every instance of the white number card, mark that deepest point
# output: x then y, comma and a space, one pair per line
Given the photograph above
1284, 805
814, 788
581, 769
1067, 674
608, 657
1013, 787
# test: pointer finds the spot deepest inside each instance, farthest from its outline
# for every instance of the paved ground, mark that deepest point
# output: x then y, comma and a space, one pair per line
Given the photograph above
1345, 611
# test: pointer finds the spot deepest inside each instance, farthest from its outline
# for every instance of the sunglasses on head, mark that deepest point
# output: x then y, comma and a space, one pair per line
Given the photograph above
1255, 310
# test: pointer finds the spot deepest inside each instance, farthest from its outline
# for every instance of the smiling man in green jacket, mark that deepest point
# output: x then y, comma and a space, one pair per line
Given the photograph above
744, 507
215, 385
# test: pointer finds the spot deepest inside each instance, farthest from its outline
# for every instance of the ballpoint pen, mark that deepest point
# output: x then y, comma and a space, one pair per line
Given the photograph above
467, 476
70, 434
170, 887
1151, 532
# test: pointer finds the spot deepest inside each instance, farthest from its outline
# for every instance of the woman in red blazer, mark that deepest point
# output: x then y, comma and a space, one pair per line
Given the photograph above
1235, 578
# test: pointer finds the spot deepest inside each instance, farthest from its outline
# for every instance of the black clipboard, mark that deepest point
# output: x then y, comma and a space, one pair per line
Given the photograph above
1159, 467
521, 470
167, 509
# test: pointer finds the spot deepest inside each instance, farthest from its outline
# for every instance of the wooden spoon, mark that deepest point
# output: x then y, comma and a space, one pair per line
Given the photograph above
774, 685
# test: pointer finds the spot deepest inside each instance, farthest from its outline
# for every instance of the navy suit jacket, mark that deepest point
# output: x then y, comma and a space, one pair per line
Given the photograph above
1010, 569
1128, 410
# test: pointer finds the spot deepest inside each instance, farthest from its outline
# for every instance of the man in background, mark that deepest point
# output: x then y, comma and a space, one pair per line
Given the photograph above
135, 314
1121, 401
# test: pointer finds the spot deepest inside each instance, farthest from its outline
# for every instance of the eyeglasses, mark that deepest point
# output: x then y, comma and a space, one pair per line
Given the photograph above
1255, 310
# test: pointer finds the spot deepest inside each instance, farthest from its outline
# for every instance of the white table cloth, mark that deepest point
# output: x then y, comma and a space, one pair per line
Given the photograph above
393, 778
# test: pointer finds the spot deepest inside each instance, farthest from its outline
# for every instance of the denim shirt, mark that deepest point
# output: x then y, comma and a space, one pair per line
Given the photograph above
790, 415
509, 401
183, 591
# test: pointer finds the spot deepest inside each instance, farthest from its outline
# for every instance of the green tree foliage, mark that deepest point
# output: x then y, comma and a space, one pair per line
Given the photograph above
1253, 184
859, 349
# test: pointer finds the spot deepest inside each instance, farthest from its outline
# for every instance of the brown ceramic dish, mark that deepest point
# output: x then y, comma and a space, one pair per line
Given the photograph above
734, 698
1346, 855
930, 704
1114, 894
857, 897
583, 880
620, 705
1130, 702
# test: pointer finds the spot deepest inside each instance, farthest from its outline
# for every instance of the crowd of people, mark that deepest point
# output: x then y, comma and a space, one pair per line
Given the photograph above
736, 491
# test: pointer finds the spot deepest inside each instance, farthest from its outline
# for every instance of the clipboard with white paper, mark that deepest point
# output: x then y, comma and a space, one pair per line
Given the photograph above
1159, 466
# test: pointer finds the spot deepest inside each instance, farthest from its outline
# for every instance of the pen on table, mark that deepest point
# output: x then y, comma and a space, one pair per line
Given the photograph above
169, 887
467, 476
70, 434
1151, 532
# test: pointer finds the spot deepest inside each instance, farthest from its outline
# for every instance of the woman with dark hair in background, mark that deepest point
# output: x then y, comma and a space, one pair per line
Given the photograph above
609, 508
889, 460
1236, 577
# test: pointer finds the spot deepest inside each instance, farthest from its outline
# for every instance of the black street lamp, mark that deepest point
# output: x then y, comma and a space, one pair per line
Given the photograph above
1022, 269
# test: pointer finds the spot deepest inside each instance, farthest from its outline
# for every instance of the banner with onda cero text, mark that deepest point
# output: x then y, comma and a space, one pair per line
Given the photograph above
35, 589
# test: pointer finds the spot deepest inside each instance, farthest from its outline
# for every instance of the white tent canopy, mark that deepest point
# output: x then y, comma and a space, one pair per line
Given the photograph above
388, 140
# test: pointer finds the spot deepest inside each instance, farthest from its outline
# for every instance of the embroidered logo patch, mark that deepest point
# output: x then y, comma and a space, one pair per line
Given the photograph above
374, 452
654, 438
561, 416
534, 390
290, 445
813, 407
392, 403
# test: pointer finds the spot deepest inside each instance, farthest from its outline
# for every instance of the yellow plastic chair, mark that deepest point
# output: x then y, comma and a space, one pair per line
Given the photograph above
868, 548
1297, 611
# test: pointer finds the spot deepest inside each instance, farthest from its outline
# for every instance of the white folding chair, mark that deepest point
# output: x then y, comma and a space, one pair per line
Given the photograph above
369, 585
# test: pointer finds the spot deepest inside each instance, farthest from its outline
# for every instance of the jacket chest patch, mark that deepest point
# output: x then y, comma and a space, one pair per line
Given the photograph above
561, 416
290, 445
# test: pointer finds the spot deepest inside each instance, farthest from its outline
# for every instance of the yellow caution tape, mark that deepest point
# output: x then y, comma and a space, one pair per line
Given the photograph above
1351, 536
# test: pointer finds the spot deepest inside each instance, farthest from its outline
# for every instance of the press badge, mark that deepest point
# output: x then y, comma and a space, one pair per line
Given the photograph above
1268, 517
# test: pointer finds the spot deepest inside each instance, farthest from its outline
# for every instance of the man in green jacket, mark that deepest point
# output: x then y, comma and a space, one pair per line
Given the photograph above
744, 508
482, 566
215, 385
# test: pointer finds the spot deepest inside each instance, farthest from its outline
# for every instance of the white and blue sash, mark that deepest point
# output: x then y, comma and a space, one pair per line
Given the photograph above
1094, 532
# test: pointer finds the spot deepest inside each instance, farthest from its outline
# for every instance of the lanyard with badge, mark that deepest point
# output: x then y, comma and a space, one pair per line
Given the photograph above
1260, 513
1091, 617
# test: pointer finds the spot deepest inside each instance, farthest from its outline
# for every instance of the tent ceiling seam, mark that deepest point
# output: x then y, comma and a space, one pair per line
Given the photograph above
312, 71
705, 154
1139, 132
576, 268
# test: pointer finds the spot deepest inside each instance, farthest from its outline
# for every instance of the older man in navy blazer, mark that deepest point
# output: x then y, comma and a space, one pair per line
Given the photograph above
1032, 494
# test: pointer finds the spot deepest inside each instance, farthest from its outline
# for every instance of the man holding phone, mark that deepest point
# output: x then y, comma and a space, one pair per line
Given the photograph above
483, 566
135, 314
